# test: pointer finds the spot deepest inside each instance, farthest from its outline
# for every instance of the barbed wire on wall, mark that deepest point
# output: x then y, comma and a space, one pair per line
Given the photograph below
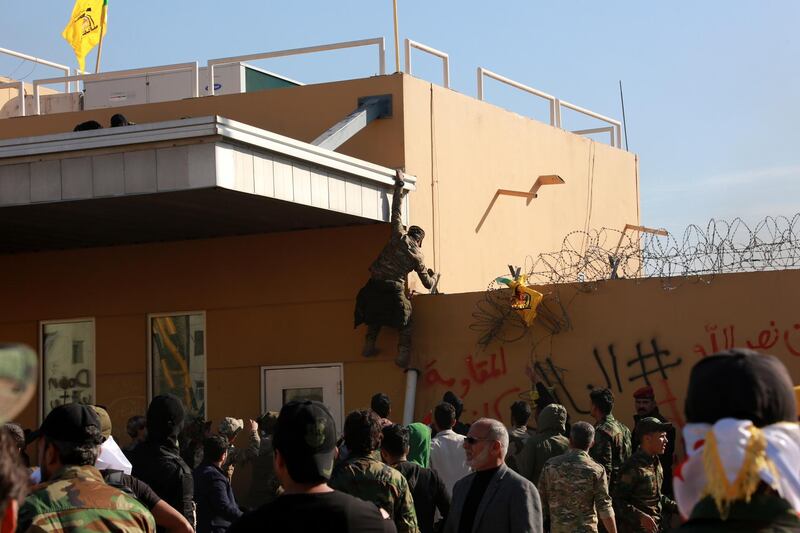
588, 258
721, 248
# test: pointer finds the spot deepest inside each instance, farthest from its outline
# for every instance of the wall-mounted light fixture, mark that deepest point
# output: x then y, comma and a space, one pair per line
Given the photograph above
548, 179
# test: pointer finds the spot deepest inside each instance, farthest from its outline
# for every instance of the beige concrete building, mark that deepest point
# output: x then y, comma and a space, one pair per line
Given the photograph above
214, 251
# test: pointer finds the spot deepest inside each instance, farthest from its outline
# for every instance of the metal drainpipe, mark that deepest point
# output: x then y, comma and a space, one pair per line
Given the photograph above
411, 394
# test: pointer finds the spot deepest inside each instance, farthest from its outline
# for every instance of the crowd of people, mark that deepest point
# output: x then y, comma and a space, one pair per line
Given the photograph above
742, 445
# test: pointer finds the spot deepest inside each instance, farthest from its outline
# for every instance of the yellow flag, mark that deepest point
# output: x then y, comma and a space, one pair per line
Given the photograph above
83, 30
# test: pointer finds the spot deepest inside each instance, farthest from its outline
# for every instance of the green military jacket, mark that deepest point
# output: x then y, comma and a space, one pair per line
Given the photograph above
612, 447
574, 492
638, 492
547, 442
376, 482
766, 512
77, 499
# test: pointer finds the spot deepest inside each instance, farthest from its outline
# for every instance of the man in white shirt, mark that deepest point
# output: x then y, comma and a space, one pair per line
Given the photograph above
447, 448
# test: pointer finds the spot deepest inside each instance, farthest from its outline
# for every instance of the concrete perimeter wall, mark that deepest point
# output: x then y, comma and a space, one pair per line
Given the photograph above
619, 334
464, 150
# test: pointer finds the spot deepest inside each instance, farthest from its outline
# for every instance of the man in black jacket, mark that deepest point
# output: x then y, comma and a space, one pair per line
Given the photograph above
216, 505
157, 460
427, 488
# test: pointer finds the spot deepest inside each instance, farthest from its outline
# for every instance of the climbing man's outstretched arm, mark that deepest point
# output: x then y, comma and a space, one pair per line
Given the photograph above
397, 205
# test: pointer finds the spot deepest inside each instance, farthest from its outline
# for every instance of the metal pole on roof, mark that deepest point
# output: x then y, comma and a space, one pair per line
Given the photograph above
396, 39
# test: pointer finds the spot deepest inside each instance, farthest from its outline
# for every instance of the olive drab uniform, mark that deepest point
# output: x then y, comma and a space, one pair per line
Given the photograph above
638, 492
383, 301
666, 458
549, 441
612, 447
77, 499
574, 492
373, 481
240, 456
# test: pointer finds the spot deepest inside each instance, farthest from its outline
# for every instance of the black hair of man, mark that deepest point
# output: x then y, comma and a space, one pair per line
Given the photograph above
214, 448
603, 399
395, 440
453, 399
13, 476
581, 435
119, 120
362, 432
88, 126
135, 425
381, 404
444, 415
83, 454
520, 413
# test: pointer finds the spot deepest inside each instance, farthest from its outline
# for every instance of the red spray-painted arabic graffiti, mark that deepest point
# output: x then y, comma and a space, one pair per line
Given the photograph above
766, 339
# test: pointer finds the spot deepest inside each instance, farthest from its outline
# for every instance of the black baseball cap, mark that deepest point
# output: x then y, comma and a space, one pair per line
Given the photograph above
73, 422
305, 435
652, 424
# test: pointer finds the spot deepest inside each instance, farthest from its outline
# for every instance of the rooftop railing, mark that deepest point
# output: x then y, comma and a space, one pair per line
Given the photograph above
378, 41
615, 128
20, 87
434, 52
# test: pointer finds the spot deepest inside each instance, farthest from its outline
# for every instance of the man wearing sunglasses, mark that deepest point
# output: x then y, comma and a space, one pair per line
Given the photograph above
494, 498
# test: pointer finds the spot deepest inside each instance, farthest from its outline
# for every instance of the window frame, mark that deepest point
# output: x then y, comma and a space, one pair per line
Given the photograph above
43, 365
150, 317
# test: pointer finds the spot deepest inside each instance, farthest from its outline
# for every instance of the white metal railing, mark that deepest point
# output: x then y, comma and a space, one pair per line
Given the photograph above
117, 74
614, 130
616, 138
484, 73
590, 131
433, 51
67, 71
20, 87
378, 41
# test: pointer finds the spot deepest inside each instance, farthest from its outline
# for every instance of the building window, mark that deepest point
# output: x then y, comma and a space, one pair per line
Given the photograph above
178, 360
77, 352
68, 358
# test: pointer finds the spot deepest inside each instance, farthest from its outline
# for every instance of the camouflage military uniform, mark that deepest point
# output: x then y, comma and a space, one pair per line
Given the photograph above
638, 492
240, 456
574, 492
77, 499
382, 301
375, 482
612, 447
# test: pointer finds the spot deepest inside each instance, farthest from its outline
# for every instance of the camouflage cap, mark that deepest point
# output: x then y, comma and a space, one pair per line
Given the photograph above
105, 421
651, 424
230, 426
305, 435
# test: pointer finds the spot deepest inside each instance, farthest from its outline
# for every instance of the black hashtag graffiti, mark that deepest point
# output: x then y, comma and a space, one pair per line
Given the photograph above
646, 360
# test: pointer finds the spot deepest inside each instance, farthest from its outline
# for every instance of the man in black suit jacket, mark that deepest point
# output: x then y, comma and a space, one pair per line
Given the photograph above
216, 505
494, 498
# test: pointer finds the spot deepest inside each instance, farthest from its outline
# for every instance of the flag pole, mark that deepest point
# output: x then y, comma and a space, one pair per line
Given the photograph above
396, 40
103, 13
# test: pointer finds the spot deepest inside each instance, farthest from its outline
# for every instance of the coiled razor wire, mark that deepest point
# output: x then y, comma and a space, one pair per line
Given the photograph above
587, 258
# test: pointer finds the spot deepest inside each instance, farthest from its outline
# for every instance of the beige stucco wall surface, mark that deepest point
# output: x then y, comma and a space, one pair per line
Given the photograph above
621, 330
276, 299
463, 150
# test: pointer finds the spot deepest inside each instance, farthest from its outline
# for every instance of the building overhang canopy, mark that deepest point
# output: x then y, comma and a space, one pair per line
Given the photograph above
183, 179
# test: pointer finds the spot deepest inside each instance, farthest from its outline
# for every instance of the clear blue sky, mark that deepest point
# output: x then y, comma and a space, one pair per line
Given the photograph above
711, 86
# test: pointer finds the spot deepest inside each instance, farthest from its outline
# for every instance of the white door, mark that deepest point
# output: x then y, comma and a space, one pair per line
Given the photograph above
323, 383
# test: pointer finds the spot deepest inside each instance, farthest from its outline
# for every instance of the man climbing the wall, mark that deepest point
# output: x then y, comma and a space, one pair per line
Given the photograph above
383, 301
